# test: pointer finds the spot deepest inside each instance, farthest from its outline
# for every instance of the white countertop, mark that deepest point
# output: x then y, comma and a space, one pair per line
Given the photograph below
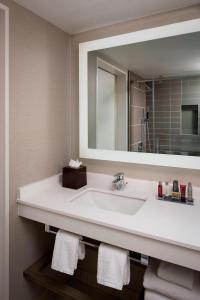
172, 223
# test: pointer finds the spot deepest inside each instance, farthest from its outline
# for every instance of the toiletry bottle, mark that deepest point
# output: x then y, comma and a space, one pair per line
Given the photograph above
175, 190
160, 189
167, 194
175, 186
183, 191
189, 192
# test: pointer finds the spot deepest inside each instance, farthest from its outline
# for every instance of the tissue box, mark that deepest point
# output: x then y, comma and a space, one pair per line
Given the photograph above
74, 178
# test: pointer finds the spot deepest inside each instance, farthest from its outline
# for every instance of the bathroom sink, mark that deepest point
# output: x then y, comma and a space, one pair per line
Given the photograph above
109, 201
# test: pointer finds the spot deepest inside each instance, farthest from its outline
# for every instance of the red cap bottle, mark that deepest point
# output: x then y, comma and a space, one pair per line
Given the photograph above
160, 190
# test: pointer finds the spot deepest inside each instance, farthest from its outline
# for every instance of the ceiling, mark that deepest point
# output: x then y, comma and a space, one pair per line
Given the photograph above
75, 16
168, 57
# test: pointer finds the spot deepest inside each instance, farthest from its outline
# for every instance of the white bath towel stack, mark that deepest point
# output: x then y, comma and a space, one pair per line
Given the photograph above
67, 251
113, 266
165, 281
176, 274
150, 295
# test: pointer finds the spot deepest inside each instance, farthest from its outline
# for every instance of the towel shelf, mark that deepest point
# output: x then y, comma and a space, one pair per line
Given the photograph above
60, 284
136, 257
83, 284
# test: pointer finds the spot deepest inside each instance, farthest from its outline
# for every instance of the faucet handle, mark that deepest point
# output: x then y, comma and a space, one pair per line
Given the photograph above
119, 176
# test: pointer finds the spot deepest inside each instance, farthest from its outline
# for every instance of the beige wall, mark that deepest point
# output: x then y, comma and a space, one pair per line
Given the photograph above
2, 153
39, 143
132, 170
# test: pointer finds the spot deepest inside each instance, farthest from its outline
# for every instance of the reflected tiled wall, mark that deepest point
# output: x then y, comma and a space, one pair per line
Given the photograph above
169, 96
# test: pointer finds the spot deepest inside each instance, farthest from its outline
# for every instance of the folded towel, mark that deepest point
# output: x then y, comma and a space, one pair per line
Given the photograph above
150, 295
113, 266
154, 283
67, 251
176, 274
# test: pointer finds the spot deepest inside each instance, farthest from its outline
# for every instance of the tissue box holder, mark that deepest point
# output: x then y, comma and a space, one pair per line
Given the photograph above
74, 178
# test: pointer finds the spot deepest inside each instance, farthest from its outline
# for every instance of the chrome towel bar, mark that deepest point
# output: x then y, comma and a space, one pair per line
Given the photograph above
144, 259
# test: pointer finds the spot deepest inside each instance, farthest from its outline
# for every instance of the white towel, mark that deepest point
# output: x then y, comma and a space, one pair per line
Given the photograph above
176, 274
150, 295
67, 251
113, 266
154, 283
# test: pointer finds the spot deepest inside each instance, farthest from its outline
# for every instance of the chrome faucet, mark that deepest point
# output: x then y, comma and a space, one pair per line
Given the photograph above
119, 182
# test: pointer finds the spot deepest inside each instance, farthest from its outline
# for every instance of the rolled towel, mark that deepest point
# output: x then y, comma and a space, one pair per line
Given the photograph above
163, 287
176, 274
67, 251
113, 266
150, 295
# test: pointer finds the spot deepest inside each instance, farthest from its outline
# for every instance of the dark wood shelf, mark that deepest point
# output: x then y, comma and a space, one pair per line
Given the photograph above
61, 284
72, 287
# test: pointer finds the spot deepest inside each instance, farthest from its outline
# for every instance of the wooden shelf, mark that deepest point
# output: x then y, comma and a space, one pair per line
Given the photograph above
61, 284
68, 287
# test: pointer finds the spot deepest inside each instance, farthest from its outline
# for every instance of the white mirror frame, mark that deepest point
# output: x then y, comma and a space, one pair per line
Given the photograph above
178, 161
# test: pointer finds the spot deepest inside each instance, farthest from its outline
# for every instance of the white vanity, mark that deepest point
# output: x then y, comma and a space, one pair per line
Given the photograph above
132, 219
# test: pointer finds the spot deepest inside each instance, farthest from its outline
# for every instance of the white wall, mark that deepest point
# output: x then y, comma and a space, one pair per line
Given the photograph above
92, 69
105, 111
95, 59
121, 113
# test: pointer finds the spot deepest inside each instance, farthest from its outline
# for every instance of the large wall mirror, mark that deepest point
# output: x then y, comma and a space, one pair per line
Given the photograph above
140, 96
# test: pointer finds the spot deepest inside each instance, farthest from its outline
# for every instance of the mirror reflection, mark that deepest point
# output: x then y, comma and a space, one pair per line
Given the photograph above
145, 97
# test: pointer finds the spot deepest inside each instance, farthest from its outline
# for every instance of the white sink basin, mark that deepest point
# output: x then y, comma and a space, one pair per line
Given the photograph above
109, 201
